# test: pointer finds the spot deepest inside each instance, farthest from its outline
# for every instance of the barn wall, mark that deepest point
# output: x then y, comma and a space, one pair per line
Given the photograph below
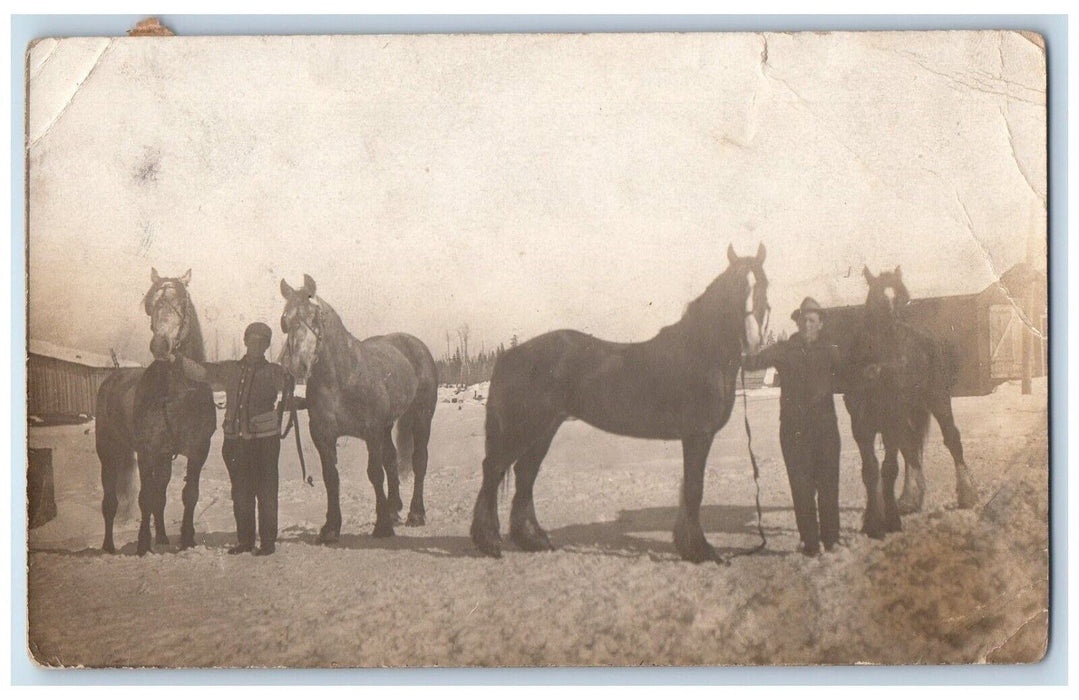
56, 387
956, 321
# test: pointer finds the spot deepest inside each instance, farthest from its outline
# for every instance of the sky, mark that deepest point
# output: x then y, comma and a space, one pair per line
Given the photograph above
520, 183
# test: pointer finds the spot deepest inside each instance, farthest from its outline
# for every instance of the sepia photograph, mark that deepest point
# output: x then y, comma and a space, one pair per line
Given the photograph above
537, 350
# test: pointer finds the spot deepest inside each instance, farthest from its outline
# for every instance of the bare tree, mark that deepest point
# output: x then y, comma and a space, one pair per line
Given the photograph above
462, 334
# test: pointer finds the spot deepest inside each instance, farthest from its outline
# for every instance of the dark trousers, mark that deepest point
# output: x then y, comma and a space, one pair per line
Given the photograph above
252, 466
811, 451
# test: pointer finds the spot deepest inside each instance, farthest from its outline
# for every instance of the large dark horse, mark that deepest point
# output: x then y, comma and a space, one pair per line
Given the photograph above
361, 388
156, 414
895, 378
680, 385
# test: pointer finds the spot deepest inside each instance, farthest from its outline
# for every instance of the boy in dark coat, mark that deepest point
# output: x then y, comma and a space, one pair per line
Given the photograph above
808, 431
252, 433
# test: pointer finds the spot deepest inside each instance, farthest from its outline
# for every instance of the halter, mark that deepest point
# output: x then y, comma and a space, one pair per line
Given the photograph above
317, 332
162, 299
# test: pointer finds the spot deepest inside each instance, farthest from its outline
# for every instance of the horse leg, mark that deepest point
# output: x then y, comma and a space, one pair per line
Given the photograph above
383, 517
112, 463
327, 452
500, 453
393, 481
889, 474
913, 496
873, 520
421, 434
162, 476
195, 461
525, 530
689, 538
146, 502
965, 492
912, 455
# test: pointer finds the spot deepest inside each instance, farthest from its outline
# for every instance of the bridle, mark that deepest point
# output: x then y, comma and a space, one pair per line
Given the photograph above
315, 330
162, 298
753, 312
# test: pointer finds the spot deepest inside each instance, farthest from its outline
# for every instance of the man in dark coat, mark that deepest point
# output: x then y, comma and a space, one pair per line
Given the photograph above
252, 433
808, 430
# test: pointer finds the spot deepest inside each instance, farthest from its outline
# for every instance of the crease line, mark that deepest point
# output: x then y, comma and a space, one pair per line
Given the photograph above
74, 92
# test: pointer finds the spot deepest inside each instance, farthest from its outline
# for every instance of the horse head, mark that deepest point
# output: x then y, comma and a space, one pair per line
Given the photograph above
752, 284
301, 321
887, 295
169, 307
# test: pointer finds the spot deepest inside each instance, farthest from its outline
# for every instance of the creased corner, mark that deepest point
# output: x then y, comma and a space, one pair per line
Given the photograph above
34, 136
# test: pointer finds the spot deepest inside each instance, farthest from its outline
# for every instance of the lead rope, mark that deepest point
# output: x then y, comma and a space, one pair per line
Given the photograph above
756, 475
294, 421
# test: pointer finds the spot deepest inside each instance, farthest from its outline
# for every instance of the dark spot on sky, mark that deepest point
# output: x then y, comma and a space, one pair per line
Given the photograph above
148, 167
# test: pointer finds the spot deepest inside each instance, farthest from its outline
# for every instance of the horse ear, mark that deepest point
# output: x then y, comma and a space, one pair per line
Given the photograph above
868, 275
898, 273
286, 290
732, 257
186, 279
154, 277
308, 285
760, 254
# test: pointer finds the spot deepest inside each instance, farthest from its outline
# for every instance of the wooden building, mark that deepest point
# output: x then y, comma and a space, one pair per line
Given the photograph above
984, 330
63, 382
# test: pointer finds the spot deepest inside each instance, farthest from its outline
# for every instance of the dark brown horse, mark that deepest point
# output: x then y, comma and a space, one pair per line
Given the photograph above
679, 385
156, 414
895, 378
361, 388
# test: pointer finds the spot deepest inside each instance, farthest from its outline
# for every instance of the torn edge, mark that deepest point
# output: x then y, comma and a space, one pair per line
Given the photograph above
150, 27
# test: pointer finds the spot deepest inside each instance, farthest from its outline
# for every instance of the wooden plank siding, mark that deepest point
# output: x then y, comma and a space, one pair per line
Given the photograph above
57, 387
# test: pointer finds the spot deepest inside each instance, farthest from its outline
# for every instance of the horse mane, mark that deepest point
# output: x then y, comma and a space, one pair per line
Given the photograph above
706, 318
335, 337
193, 347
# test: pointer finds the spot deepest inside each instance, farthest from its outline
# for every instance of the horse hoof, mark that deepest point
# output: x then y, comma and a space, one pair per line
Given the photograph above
108, 549
382, 531
415, 520
532, 539
187, 545
490, 544
895, 525
966, 494
875, 531
397, 519
698, 553
328, 536
908, 508
161, 540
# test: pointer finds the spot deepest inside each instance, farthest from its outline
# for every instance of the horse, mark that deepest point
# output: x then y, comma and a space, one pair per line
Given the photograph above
680, 385
895, 378
361, 388
153, 414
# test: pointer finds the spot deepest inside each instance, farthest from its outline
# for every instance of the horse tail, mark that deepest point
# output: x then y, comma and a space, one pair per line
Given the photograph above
920, 422
403, 439
126, 485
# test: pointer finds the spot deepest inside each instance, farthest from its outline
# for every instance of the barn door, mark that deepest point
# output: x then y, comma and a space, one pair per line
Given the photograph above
1005, 342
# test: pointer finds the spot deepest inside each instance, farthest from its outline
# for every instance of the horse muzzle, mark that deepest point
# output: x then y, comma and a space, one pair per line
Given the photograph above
160, 347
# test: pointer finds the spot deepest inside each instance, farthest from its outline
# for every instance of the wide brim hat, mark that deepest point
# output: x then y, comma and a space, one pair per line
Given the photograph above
809, 305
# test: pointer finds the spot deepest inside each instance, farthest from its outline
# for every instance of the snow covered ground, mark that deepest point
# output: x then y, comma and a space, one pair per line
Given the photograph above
955, 586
